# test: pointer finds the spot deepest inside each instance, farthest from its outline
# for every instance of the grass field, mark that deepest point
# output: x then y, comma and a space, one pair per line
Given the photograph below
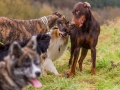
107, 76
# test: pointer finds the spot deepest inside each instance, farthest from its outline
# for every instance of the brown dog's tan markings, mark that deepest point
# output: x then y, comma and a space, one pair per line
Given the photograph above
84, 36
21, 67
13, 29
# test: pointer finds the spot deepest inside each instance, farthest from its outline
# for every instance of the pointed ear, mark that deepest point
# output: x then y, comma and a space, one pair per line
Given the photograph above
57, 14
32, 44
15, 50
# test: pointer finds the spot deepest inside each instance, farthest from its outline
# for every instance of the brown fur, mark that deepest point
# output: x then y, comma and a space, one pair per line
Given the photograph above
84, 36
13, 29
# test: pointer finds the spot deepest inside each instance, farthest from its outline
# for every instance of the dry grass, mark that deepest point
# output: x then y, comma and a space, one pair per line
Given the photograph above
107, 77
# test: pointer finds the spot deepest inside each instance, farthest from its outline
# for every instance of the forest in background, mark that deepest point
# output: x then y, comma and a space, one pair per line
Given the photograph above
94, 3
103, 10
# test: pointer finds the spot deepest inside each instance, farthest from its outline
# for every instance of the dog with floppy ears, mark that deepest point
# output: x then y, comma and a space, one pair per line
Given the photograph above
84, 36
58, 44
14, 29
20, 67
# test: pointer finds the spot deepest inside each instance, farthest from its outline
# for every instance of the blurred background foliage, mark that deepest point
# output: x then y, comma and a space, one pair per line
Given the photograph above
103, 10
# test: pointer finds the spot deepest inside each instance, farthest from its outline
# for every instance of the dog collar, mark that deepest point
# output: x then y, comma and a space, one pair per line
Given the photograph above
45, 21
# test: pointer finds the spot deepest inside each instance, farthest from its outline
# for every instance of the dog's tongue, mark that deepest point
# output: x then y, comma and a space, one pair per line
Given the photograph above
80, 25
35, 82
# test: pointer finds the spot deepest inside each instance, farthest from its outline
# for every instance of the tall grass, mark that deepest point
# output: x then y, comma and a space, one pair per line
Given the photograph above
107, 77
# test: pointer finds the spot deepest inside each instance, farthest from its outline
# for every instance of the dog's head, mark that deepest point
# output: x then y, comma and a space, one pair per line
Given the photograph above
62, 23
81, 13
23, 64
55, 33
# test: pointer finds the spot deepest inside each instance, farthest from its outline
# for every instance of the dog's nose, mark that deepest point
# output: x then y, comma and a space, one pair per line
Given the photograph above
37, 74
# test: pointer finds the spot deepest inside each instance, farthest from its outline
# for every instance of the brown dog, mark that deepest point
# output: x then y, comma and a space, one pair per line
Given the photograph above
13, 29
84, 35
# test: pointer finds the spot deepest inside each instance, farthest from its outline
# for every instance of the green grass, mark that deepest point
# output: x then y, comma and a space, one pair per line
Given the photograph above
108, 49
1, 43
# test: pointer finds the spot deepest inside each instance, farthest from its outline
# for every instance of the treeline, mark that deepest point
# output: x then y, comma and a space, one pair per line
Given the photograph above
103, 3
94, 3
30, 9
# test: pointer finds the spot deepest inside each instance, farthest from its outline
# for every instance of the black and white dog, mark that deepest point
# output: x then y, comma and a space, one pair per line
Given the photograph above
22, 63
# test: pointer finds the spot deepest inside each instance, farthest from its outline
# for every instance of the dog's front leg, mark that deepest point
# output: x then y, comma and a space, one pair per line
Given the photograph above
93, 56
82, 57
76, 54
71, 55
49, 66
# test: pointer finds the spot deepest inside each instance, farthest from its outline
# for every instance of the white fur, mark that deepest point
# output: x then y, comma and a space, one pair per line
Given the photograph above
54, 53
34, 41
35, 69
49, 66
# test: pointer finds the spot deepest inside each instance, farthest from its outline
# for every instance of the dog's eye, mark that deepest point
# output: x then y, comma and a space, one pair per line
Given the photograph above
16, 66
27, 65
59, 21
36, 62
67, 22
77, 11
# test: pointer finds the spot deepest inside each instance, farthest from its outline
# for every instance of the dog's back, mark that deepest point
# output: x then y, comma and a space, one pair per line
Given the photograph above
14, 29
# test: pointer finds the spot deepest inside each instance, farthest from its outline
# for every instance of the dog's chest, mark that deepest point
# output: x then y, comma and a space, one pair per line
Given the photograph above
7, 82
56, 48
85, 40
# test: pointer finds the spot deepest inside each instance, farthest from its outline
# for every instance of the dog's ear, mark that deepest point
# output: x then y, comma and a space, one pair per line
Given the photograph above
86, 4
15, 50
32, 44
57, 14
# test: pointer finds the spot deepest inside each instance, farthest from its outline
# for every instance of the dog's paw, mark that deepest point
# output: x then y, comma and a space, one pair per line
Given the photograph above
61, 75
2, 64
70, 75
93, 71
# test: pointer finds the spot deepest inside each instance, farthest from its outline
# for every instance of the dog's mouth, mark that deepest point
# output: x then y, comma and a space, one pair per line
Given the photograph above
64, 32
61, 35
35, 82
81, 23
78, 21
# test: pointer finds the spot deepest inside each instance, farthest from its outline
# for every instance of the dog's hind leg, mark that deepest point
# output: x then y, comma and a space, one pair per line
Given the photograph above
49, 66
82, 57
93, 56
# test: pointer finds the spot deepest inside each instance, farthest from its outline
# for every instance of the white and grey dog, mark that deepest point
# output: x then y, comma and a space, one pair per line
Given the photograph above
20, 67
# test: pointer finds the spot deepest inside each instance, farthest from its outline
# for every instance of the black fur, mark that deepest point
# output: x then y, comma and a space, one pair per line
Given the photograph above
42, 45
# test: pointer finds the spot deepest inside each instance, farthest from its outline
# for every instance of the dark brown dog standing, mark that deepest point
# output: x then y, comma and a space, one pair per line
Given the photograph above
84, 35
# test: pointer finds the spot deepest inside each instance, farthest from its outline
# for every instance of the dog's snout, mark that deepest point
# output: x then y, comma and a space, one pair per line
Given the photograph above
55, 27
37, 74
64, 29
